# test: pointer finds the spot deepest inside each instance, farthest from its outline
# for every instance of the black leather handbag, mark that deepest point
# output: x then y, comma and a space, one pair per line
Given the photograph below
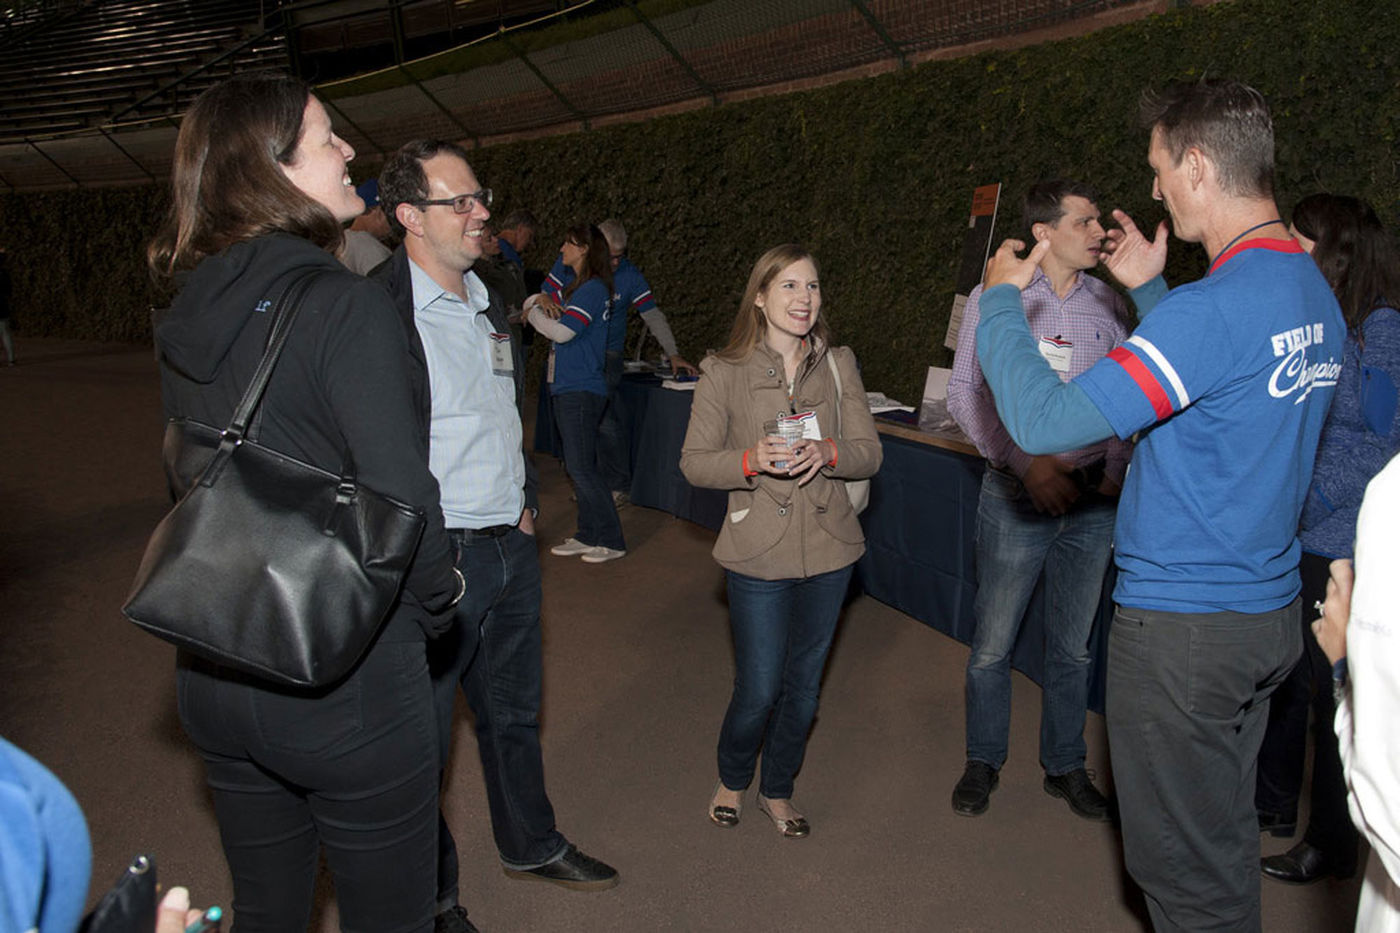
266, 564
130, 905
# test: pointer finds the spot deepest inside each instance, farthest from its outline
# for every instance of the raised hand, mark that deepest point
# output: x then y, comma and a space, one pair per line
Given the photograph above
1006, 267
1129, 256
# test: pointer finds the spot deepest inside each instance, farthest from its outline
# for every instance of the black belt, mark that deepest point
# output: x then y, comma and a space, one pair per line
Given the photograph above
494, 531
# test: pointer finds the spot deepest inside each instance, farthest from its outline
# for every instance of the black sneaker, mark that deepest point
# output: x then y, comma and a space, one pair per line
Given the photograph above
974, 789
1079, 792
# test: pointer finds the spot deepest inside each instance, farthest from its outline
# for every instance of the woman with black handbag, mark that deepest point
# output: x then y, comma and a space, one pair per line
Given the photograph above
260, 191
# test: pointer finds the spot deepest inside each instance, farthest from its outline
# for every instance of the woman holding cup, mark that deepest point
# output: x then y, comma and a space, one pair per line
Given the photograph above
779, 420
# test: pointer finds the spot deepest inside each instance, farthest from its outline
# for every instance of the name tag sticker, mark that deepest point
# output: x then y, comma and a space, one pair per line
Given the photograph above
810, 430
501, 362
1057, 353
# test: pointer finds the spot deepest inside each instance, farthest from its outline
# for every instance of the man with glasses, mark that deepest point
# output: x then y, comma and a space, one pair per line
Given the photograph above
458, 331
631, 293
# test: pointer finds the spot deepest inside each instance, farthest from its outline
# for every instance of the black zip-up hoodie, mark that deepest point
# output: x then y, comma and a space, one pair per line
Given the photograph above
342, 385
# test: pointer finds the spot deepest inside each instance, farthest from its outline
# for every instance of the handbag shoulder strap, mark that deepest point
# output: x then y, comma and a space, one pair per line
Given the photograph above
284, 314
835, 374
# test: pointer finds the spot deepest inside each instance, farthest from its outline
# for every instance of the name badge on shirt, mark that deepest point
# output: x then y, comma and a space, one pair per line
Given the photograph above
808, 419
1057, 353
502, 364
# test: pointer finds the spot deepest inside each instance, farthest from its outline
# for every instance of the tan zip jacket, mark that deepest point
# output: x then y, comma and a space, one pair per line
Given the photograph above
774, 529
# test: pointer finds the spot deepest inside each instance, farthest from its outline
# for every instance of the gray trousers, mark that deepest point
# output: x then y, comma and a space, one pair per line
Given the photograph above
1187, 704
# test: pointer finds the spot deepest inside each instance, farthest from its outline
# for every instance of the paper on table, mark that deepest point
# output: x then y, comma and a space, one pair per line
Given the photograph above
879, 402
679, 386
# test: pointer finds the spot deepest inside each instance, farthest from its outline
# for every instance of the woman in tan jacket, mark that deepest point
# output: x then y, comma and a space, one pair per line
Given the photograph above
790, 537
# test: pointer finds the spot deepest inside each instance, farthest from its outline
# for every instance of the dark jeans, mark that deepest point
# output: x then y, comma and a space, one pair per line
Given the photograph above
578, 415
614, 441
1015, 544
1188, 700
494, 654
1309, 686
351, 770
782, 633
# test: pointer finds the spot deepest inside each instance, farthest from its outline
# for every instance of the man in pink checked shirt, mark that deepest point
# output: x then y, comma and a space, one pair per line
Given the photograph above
1052, 514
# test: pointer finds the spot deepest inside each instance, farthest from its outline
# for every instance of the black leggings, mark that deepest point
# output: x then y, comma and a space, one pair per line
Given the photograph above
353, 770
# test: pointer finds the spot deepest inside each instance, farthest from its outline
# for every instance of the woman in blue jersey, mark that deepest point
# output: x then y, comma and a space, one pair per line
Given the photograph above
579, 391
1361, 435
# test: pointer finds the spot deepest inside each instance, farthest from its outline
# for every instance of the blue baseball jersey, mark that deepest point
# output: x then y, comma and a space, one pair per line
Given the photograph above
578, 363
631, 292
1229, 380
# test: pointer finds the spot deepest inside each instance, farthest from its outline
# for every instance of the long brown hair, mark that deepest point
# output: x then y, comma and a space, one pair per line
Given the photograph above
1355, 253
750, 325
226, 181
597, 261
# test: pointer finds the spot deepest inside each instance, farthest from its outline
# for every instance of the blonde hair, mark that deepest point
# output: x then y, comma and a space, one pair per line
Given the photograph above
750, 325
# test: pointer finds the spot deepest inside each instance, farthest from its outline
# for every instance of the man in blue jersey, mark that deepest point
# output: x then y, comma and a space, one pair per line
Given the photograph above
631, 293
1226, 381
514, 235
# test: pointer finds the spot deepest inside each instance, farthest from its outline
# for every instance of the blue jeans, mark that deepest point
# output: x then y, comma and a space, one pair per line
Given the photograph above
614, 440
578, 415
782, 632
1014, 544
494, 653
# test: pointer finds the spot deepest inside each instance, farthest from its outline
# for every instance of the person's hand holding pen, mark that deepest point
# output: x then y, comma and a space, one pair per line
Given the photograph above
176, 916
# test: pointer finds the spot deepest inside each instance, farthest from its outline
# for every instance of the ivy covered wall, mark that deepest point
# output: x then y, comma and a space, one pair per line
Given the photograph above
874, 176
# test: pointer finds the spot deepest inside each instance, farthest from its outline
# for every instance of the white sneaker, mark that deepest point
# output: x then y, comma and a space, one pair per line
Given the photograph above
601, 555
571, 547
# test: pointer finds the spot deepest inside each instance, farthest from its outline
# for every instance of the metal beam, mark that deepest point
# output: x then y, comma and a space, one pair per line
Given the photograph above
520, 53
476, 137
680, 59
879, 29
122, 149
49, 159
199, 69
396, 29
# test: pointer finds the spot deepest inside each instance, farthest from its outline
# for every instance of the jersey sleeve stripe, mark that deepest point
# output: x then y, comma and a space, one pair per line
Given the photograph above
1142, 376
553, 287
579, 313
1179, 387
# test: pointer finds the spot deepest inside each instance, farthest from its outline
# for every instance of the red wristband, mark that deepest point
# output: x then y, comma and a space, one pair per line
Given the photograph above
834, 454
745, 464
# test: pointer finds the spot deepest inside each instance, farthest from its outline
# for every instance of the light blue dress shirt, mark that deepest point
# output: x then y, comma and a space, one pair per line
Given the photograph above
475, 445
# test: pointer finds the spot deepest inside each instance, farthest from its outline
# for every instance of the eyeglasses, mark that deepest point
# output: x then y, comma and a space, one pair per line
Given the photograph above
462, 203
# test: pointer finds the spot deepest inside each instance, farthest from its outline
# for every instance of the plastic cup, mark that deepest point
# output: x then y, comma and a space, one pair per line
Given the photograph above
772, 432
789, 432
